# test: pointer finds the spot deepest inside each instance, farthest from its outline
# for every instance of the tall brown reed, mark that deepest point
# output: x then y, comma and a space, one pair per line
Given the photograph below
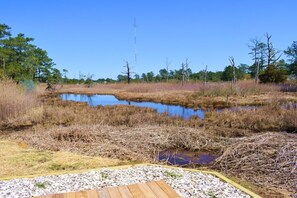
14, 100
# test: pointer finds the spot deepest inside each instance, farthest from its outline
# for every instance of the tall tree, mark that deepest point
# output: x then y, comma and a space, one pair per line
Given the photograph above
254, 46
127, 72
272, 54
232, 63
168, 63
21, 59
163, 73
291, 53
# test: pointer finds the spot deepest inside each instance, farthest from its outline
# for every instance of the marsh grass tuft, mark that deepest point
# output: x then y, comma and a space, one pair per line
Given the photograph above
172, 174
14, 101
41, 185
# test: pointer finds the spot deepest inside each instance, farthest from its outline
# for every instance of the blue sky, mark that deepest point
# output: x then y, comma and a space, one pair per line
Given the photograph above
95, 37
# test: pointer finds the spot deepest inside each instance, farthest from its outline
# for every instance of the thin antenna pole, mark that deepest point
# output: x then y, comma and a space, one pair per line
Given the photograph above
135, 52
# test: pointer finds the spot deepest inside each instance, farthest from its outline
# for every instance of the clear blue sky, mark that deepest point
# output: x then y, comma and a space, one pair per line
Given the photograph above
95, 37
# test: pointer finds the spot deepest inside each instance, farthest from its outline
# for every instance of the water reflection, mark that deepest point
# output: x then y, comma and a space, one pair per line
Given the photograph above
104, 100
186, 157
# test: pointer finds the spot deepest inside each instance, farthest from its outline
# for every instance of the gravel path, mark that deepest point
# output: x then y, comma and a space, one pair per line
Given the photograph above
186, 183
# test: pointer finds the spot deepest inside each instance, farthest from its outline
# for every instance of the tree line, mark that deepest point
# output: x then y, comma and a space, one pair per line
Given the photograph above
21, 60
267, 67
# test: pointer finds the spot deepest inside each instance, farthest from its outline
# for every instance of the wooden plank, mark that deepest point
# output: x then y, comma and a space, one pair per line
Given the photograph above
58, 196
146, 190
167, 189
44, 196
114, 192
125, 193
92, 194
103, 193
70, 195
157, 190
135, 191
81, 194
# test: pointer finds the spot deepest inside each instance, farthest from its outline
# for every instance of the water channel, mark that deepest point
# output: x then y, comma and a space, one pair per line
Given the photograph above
186, 157
104, 100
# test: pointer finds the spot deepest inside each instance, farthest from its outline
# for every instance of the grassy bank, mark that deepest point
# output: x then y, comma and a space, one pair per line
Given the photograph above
213, 95
17, 159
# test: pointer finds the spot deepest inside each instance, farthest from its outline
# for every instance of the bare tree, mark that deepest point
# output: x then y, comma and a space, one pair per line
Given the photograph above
187, 69
255, 55
205, 76
128, 72
272, 54
183, 73
232, 63
168, 63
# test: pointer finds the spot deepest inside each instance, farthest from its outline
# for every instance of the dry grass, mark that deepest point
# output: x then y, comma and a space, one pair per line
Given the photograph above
214, 95
138, 134
55, 112
267, 160
242, 88
236, 123
17, 159
14, 101
126, 143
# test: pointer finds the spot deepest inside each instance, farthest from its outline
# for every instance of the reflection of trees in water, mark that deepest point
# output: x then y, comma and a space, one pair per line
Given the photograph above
90, 101
86, 98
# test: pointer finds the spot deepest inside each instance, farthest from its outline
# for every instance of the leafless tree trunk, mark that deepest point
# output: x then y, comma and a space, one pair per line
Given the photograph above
183, 73
167, 68
272, 54
205, 76
127, 72
232, 63
269, 49
186, 69
255, 47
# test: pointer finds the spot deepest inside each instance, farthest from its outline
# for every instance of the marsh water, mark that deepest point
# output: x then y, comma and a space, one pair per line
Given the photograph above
186, 157
104, 100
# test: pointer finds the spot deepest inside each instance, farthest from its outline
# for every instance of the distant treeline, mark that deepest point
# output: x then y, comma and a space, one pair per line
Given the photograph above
21, 60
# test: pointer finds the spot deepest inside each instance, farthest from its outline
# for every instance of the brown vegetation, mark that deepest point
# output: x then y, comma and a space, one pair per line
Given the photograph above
140, 143
255, 120
214, 95
268, 160
14, 101
138, 134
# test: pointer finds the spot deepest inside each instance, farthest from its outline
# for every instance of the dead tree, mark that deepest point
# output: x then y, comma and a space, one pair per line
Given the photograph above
272, 54
205, 79
187, 69
128, 72
255, 47
183, 73
168, 63
232, 63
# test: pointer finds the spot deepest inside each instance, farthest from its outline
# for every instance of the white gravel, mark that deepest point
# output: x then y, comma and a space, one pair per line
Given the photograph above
186, 183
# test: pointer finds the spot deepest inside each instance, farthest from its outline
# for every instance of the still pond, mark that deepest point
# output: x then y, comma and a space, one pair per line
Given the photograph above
104, 100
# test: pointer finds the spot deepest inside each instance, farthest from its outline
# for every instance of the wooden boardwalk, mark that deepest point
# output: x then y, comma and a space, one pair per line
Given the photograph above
153, 189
